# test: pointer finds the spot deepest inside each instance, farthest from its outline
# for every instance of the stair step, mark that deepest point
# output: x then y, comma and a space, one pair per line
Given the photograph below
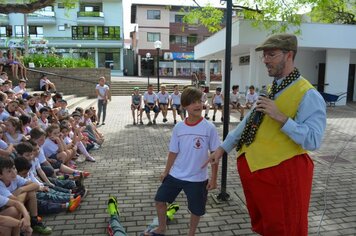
73, 103
85, 104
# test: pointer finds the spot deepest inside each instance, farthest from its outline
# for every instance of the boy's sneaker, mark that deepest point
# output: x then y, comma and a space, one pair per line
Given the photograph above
38, 227
74, 203
90, 158
141, 123
171, 211
149, 123
112, 206
175, 121
81, 191
154, 122
222, 118
213, 117
241, 118
206, 117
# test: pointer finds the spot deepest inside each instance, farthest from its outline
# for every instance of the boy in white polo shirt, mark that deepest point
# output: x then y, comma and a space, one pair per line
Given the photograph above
150, 100
189, 148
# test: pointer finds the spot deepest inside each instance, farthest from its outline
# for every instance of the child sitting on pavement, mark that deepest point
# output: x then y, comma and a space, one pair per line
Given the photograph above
163, 99
17, 188
136, 102
10, 222
205, 102
251, 97
218, 101
234, 101
150, 100
175, 103
190, 144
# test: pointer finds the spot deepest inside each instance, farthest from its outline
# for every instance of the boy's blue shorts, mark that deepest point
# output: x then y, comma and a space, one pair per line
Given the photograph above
196, 193
155, 108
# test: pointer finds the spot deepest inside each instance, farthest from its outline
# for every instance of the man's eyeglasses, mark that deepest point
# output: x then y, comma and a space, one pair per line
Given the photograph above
271, 56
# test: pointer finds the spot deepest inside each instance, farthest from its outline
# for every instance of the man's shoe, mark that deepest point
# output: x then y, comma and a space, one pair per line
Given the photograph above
39, 227
112, 206
74, 203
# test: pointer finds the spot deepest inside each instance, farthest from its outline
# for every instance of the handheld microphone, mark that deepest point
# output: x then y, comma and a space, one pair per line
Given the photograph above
258, 114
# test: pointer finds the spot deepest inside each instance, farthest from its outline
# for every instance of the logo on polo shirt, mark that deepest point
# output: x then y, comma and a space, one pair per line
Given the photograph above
198, 143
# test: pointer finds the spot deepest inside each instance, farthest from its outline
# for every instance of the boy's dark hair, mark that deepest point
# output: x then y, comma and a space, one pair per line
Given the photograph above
37, 133
23, 147
150, 85
176, 85
235, 87
5, 163
25, 119
44, 109
22, 164
33, 143
190, 95
218, 89
252, 87
79, 109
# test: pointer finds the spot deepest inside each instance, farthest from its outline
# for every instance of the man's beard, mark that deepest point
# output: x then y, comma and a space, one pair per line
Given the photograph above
277, 70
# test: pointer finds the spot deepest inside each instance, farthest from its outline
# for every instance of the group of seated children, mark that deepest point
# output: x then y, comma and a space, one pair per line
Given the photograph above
162, 100
40, 142
15, 62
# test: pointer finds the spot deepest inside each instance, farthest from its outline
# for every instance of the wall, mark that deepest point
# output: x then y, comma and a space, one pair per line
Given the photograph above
70, 86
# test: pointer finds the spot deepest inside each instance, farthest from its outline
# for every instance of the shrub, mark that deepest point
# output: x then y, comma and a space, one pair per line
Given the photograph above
41, 60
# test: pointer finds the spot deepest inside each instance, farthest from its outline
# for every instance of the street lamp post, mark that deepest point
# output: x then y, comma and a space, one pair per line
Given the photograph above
158, 45
148, 57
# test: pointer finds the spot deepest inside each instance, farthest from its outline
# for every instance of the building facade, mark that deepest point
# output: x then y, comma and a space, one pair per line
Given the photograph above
326, 56
176, 56
93, 29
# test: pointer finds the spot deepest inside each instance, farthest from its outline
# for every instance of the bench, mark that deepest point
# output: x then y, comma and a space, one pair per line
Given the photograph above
331, 99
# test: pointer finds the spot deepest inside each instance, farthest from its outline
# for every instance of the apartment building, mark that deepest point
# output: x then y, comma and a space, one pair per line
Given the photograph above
93, 29
165, 23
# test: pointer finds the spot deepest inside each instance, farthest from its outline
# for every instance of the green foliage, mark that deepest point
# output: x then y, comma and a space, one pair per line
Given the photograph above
208, 16
335, 11
50, 60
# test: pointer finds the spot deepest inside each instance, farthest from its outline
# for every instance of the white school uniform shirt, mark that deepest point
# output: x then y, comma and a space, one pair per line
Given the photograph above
7, 191
163, 98
251, 98
192, 143
218, 99
204, 97
234, 97
32, 174
49, 147
176, 98
43, 124
4, 115
102, 90
3, 144
150, 98
17, 89
3, 200
41, 156
12, 140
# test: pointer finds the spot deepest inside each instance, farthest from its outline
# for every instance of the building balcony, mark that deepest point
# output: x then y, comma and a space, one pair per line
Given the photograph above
41, 18
66, 42
90, 18
4, 19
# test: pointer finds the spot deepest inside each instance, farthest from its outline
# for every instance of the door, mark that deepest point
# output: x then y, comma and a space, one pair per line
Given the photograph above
351, 83
321, 77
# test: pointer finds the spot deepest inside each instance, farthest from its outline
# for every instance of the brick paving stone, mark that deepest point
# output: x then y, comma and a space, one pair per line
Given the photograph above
131, 159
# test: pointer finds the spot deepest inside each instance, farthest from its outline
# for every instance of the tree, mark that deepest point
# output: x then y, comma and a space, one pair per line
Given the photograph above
279, 15
29, 6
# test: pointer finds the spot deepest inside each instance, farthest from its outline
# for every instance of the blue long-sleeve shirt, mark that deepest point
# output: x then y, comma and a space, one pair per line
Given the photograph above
306, 129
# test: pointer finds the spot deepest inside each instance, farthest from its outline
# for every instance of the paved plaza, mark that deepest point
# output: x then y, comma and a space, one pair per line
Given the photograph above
130, 162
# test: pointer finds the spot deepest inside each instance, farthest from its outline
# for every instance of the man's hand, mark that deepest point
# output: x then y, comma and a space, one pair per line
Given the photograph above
268, 107
214, 157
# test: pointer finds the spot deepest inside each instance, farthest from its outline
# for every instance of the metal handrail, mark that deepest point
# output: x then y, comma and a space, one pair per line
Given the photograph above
61, 76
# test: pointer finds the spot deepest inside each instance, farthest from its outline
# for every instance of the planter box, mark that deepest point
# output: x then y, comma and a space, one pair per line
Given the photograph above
90, 77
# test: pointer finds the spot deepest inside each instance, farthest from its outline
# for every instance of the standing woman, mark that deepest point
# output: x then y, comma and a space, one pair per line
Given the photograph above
102, 92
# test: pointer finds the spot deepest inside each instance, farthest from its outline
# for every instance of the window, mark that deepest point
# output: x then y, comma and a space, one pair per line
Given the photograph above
108, 32
18, 30
153, 37
61, 28
60, 5
35, 31
89, 9
178, 18
83, 32
5, 31
48, 8
153, 14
